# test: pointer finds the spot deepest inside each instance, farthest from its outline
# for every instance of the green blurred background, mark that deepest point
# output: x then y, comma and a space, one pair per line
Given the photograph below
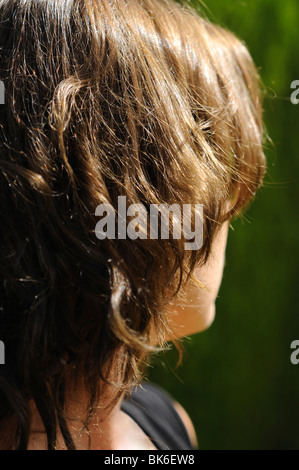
237, 381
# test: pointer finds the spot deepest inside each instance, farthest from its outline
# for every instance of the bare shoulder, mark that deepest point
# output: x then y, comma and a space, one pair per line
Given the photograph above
187, 423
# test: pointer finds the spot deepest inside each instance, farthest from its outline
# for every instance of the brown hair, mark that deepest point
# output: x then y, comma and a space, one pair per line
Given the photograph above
107, 98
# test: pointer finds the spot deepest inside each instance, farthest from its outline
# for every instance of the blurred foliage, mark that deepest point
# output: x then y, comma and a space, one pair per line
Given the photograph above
237, 382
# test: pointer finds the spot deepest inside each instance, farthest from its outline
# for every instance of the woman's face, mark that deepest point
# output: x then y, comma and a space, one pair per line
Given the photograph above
196, 311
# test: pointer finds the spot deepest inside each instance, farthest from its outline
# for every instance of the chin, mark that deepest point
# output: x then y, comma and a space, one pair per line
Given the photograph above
209, 317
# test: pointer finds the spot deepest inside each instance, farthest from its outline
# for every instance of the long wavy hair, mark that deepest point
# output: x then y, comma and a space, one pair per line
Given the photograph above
107, 98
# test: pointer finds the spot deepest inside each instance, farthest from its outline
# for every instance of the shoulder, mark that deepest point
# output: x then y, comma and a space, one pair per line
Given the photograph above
187, 423
161, 418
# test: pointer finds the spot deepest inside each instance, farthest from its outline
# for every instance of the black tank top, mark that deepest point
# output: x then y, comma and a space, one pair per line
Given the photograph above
152, 409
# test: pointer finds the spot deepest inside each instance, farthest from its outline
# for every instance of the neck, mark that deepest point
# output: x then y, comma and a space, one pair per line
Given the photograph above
105, 430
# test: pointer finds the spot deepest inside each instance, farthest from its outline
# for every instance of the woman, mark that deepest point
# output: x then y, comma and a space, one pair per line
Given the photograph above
103, 99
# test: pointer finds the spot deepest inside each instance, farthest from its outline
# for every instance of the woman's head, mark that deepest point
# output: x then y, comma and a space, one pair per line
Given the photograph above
141, 99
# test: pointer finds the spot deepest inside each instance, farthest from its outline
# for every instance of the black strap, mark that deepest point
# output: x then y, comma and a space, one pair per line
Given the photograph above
152, 409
